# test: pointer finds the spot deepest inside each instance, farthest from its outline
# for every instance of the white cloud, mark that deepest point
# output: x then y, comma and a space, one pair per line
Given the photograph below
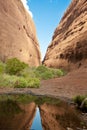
25, 3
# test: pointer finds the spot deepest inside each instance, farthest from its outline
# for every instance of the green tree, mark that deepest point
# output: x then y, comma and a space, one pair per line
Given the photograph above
14, 66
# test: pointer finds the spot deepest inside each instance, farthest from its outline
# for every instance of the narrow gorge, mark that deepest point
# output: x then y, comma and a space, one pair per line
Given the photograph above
68, 48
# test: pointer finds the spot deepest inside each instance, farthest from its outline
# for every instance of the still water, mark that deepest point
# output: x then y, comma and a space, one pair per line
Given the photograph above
36, 125
26, 112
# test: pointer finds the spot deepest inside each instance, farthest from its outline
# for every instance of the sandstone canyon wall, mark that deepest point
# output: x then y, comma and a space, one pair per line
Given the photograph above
68, 48
17, 33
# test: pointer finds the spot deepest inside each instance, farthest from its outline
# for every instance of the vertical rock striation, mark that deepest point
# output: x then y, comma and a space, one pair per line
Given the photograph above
68, 48
17, 33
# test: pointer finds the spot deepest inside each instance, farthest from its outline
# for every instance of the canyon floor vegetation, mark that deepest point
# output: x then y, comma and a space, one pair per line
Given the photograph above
17, 74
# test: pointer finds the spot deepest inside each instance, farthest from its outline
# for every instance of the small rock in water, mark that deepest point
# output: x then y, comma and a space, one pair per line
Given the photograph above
69, 128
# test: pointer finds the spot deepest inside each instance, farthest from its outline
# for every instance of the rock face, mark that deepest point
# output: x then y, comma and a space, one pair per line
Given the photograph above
68, 48
17, 33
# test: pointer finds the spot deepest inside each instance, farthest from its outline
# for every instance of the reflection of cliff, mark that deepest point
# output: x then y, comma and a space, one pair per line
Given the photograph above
48, 113
27, 116
21, 121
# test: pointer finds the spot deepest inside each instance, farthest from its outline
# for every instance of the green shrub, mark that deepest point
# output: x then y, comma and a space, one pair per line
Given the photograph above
28, 72
33, 83
18, 74
81, 102
14, 66
18, 82
21, 83
7, 80
41, 69
60, 72
47, 75
78, 99
2, 67
27, 83
44, 72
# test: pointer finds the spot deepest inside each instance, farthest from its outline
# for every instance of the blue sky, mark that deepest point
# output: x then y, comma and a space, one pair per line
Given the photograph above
46, 15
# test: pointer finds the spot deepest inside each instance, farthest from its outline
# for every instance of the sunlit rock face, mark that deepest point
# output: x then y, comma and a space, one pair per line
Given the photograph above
68, 48
17, 33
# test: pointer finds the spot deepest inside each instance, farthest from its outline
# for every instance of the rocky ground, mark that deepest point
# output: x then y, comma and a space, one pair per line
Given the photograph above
74, 83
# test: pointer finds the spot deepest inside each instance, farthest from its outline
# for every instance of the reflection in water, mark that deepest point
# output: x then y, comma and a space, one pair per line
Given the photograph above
51, 114
36, 125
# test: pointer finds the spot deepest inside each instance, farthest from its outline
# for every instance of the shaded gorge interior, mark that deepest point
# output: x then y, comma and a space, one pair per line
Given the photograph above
27, 112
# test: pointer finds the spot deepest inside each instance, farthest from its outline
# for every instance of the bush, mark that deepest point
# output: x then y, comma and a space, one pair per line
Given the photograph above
2, 67
60, 72
33, 83
18, 82
41, 69
81, 102
47, 75
14, 66
7, 80
43, 72
20, 75
27, 83
78, 100
28, 72
21, 83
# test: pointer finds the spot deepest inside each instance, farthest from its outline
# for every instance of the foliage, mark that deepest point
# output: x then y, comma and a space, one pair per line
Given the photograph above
33, 83
27, 83
41, 69
44, 72
41, 72
7, 80
21, 83
19, 75
28, 72
60, 72
18, 82
79, 100
2, 67
14, 66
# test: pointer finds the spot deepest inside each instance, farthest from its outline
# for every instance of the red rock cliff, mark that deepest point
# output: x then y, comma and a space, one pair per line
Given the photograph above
17, 33
68, 48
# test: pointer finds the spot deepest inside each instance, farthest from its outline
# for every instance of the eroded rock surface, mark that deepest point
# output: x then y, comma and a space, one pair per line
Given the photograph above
17, 33
68, 48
